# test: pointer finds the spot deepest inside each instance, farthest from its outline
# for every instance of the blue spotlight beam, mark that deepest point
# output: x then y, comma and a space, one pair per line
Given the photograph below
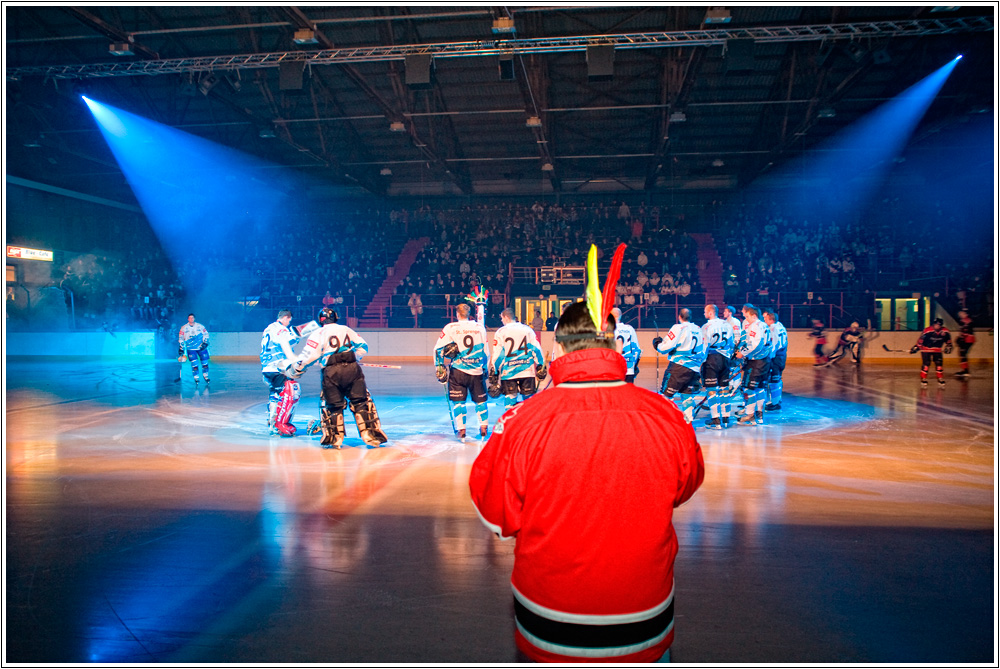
841, 175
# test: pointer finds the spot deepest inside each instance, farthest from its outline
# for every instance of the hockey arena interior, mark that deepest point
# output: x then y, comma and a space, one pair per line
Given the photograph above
287, 287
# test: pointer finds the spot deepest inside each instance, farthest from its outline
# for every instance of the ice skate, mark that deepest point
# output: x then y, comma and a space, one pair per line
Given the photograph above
483, 431
746, 419
923, 383
195, 380
461, 435
759, 417
311, 428
206, 378
772, 407
940, 382
713, 424
374, 438
286, 429
962, 373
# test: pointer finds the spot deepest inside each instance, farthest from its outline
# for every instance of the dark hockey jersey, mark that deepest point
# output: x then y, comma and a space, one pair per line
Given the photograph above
932, 340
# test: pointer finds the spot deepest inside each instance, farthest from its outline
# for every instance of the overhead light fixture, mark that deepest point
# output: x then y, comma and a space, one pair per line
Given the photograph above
207, 83
678, 117
718, 162
267, 131
397, 126
533, 122
120, 49
946, 8
547, 167
385, 171
305, 36
826, 112
718, 15
503, 25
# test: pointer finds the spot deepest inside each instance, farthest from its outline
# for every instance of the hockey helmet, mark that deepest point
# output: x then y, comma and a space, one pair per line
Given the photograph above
938, 321
327, 316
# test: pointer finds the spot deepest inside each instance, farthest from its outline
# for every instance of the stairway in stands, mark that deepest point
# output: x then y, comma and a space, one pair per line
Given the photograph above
710, 269
376, 314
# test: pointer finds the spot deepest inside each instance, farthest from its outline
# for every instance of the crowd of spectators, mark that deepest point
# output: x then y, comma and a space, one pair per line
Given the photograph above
475, 247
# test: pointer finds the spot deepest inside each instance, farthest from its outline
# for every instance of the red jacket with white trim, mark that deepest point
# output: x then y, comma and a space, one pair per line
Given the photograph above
586, 476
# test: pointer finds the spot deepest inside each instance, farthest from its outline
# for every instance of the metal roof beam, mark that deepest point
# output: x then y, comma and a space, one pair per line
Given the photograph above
358, 54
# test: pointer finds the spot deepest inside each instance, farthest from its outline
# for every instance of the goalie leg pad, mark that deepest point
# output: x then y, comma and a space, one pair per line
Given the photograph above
369, 425
286, 404
332, 427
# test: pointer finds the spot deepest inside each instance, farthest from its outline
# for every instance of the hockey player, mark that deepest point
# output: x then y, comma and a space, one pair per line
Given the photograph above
192, 342
817, 334
756, 348
276, 357
779, 346
516, 361
931, 343
966, 338
719, 344
729, 314
850, 340
464, 343
339, 349
684, 371
628, 343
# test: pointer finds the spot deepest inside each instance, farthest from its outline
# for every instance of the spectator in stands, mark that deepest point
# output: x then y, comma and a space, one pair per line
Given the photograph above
416, 308
537, 324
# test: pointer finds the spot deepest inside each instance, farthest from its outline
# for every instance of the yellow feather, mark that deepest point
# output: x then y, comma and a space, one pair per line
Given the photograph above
593, 289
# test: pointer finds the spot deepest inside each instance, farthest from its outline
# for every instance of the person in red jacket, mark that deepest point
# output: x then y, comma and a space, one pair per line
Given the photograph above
586, 476
931, 343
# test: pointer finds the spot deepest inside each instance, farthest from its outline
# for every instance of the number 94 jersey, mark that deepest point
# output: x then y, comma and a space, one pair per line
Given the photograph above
330, 339
470, 338
515, 352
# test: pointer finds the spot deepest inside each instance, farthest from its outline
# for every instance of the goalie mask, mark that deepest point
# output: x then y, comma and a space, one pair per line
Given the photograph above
327, 316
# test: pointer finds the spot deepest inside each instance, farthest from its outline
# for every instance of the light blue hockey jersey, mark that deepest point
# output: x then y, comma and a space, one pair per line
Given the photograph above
718, 337
515, 352
470, 338
685, 346
757, 344
273, 357
630, 345
779, 337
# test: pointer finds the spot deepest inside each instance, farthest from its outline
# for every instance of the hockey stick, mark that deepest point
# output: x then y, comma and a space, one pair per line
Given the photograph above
657, 326
369, 364
895, 350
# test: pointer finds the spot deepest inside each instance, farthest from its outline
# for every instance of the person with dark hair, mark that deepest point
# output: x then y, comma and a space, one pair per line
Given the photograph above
779, 344
817, 334
719, 346
339, 350
463, 342
276, 357
756, 349
735, 364
932, 342
684, 342
192, 342
586, 476
966, 338
629, 345
516, 363
850, 340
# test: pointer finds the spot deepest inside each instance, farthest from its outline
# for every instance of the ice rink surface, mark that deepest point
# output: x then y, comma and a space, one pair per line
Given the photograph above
152, 521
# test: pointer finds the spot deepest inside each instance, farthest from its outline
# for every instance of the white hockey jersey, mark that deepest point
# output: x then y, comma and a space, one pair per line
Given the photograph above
779, 337
276, 347
719, 337
683, 343
329, 339
470, 338
757, 343
515, 352
625, 333
192, 336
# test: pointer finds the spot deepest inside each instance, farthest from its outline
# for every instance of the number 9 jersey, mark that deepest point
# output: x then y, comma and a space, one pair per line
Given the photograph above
470, 338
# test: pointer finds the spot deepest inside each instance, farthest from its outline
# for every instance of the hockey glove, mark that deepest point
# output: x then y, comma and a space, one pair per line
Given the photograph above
450, 351
657, 341
493, 385
181, 358
948, 348
541, 372
914, 349
441, 372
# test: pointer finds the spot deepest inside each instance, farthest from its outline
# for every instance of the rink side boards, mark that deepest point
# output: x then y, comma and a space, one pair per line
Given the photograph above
418, 345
